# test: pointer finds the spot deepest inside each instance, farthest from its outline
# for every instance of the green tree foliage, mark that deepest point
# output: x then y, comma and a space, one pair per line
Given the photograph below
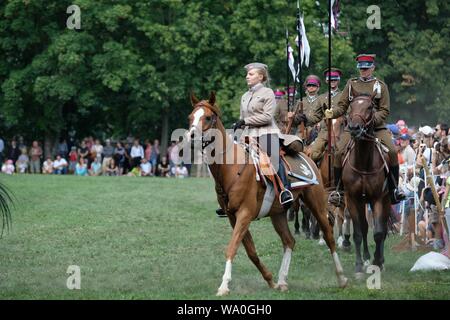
131, 67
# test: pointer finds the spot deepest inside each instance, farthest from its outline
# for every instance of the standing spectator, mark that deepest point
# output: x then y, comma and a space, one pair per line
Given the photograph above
23, 162
63, 149
73, 157
407, 154
2, 148
112, 169
169, 152
14, 151
21, 143
81, 168
47, 167
148, 149
8, 167
60, 165
146, 168
174, 158
136, 153
96, 168
155, 155
97, 151
119, 156
108, 153
35, 153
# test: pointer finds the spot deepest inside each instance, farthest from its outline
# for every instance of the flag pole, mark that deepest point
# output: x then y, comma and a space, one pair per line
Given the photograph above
287, 71
299, 60
329, 127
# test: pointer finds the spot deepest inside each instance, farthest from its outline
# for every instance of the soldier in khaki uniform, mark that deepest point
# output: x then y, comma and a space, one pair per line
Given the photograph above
332, 77
310, 101
281, 110
366, 83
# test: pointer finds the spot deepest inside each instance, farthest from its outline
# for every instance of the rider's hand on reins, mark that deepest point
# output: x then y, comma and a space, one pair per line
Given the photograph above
239, 124
329, 113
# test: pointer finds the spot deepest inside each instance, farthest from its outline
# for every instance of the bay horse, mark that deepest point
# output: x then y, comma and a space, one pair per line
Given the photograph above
240, 195
365, 181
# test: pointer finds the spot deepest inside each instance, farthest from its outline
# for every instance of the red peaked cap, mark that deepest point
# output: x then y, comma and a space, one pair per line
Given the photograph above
333, 73
365, 60
312, 79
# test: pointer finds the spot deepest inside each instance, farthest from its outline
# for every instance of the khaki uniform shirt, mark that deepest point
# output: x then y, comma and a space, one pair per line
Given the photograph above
319, 113
258, 110
281, 114
361, 86
309, 106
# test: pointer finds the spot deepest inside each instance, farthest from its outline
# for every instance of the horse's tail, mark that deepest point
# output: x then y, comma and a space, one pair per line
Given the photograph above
6, 203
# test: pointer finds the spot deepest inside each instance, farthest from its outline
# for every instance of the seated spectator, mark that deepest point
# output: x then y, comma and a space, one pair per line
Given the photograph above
136, 153
81, 168
73, 157
120, 156
96, 167
8, 167
146, 168
135, 172
164, 168
112, 169
47, 166
60, 165
181, 171
22, 162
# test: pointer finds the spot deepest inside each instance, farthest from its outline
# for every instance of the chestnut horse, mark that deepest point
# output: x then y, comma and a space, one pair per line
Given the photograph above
240, 195
365, 181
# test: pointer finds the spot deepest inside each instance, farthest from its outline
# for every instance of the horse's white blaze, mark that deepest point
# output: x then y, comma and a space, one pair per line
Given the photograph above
197, 115
226, 277
284, 268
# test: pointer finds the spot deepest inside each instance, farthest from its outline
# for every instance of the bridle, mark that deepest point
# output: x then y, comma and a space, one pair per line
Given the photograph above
364, 132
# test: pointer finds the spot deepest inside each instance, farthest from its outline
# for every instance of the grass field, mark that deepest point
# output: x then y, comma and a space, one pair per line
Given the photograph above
151, 238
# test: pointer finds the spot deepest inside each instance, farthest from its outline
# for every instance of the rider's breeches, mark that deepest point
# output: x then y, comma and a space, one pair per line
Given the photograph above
319, 145
270, 143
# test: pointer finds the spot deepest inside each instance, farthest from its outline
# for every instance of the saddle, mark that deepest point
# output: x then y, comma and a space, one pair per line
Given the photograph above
299, 171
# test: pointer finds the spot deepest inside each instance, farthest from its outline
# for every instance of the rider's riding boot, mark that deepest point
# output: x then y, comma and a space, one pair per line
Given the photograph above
220, 212
395, 194
286, 197
336, 198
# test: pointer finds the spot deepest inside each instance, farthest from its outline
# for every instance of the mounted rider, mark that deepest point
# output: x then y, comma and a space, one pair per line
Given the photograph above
366, 84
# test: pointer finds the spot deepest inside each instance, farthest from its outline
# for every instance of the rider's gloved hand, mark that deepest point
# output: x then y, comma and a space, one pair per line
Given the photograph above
239, 124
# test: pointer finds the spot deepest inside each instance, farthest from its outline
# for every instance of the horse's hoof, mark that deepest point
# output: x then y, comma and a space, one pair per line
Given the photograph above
343, 281
360, 275
272, 284
222, 292
282, 287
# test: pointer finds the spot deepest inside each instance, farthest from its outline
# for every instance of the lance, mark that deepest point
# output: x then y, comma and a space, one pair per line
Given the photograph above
442, 219
298, 75
329, 127
287, 71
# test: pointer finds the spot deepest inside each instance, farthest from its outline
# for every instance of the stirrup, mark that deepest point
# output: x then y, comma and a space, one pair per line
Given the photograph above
290, 197
220, 213
336, 198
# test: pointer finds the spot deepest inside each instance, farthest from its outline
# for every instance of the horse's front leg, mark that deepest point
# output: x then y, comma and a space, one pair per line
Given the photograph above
381, 213
240, 228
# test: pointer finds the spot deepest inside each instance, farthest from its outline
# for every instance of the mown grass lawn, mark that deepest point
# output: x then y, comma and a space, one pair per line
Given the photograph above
152, 238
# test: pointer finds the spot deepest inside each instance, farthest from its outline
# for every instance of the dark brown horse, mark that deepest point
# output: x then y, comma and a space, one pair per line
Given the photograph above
365, 181
241, 196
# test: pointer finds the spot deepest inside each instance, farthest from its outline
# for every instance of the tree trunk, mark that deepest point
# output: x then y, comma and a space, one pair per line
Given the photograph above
164, 132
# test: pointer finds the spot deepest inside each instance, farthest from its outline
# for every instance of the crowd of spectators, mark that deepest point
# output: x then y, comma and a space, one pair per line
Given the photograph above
417, 148
92, 158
